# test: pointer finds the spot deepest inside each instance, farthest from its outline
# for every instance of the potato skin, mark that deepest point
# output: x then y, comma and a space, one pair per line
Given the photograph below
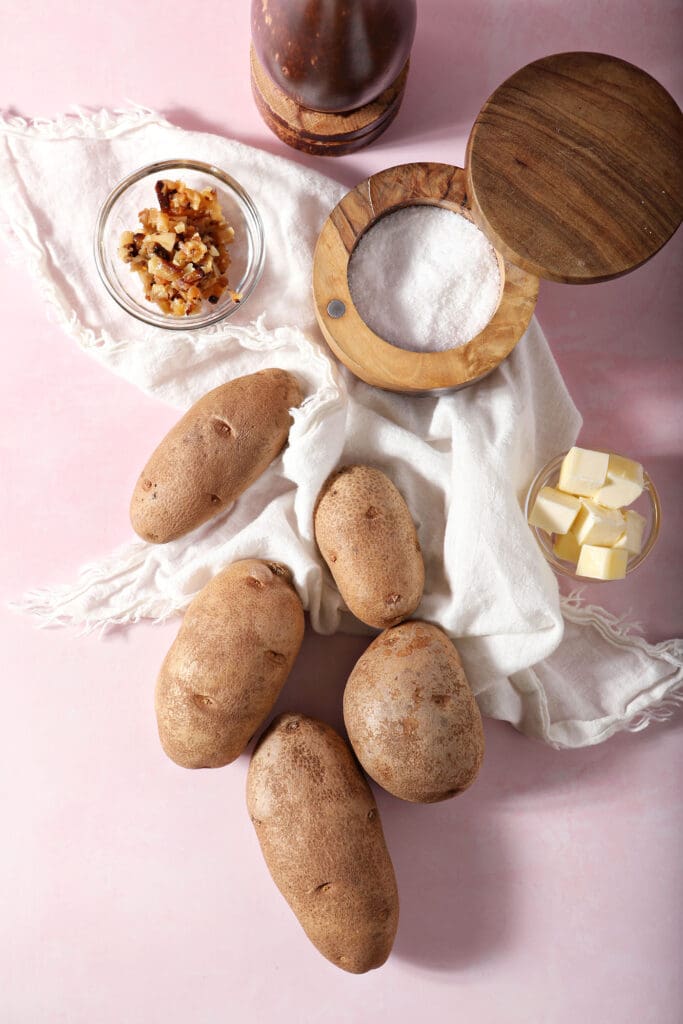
321, 836
366, 535
219, 447
411, 716
225, 669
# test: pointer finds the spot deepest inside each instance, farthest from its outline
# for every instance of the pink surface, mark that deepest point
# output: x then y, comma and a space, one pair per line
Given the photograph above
134, 891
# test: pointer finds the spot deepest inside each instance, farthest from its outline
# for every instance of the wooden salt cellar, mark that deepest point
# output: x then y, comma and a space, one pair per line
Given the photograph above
328, 76
354, 343
574, 172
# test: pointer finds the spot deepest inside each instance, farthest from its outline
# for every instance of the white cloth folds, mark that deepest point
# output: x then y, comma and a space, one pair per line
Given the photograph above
463, 461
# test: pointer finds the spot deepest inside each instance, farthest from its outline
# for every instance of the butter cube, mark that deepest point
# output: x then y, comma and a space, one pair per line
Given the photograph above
583, 472
554, 511
567, 547
632, 537
602, 563
624, 482
597, 525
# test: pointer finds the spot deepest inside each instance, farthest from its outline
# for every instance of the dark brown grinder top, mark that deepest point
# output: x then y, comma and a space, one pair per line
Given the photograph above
333, 55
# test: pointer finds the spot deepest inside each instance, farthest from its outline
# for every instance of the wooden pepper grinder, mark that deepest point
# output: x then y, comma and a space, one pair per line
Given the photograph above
328, 75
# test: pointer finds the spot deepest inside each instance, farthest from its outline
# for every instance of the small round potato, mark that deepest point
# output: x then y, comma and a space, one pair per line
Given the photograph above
219, 447
321, 836
366, 535
411, 716
227, 665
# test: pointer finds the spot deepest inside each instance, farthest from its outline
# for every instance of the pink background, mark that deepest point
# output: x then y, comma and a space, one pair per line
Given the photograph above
134, 891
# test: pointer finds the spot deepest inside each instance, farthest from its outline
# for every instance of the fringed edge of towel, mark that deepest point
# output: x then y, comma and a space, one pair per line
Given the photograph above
58, 605
83, 123
622, 632
662, 711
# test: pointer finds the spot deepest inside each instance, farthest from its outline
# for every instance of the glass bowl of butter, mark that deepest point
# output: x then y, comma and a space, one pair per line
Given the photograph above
595, 514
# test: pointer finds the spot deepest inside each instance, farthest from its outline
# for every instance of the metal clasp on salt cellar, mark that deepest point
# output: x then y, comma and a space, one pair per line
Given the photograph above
336, 308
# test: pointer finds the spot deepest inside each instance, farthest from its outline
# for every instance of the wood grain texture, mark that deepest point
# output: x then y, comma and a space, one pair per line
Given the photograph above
575, 167
367, 355
319, 133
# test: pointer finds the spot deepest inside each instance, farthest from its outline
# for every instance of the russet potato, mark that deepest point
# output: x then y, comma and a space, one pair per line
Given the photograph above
411, 716
366, 535
219, 447
321, 836
226, 667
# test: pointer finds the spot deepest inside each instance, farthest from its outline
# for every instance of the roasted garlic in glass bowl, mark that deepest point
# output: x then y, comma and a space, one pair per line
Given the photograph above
125, 243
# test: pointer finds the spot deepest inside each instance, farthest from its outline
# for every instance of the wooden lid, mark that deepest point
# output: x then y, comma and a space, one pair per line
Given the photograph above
575, 167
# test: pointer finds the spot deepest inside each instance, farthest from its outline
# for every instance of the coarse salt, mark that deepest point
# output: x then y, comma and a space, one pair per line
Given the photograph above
425, 279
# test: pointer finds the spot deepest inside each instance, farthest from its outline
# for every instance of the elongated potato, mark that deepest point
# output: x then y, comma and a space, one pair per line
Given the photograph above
219, 447
411, 716
321, 836
367, 537
227, 665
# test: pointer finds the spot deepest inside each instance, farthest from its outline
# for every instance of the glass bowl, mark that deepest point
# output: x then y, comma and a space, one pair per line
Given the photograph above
120, 211
647, 504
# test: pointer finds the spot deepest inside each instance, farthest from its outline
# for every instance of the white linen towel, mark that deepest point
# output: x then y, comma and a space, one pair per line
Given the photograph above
463, 461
